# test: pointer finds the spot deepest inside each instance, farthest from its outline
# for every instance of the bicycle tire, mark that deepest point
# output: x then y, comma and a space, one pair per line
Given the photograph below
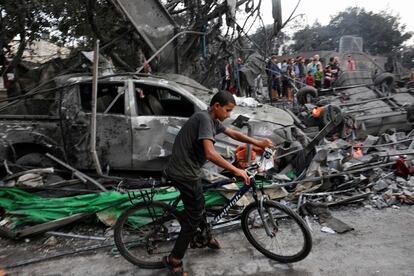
143, 238
285, 216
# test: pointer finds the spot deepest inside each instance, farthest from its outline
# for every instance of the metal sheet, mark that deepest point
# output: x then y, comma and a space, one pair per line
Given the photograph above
154, 24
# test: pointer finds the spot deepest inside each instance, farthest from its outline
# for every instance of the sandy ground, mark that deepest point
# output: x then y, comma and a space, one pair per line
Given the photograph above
381, 244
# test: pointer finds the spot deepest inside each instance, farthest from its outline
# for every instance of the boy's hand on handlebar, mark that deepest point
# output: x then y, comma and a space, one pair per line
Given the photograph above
243, 175
265, 143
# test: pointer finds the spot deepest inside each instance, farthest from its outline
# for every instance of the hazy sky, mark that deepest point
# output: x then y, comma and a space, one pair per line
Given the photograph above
322, 10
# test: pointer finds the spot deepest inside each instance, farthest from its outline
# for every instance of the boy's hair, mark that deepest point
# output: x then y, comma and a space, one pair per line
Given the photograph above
223, 98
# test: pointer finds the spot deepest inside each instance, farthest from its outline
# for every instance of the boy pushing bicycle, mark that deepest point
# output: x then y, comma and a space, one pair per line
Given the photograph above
193, 146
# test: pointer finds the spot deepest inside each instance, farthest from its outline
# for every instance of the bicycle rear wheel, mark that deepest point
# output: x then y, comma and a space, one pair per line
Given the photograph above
289, 239
144, 233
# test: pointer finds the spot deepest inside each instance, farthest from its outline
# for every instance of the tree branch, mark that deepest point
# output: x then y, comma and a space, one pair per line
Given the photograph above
290, 17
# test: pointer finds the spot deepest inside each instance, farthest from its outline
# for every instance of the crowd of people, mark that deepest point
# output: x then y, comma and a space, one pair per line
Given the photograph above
282, 75
300, 72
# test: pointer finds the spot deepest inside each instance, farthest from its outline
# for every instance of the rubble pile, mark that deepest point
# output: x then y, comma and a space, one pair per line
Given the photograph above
379, 167
377, 171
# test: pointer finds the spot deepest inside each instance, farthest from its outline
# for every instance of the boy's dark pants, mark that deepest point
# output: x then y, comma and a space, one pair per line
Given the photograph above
192, 216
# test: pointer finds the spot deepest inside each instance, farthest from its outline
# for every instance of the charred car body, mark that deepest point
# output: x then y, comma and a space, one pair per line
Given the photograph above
137, 119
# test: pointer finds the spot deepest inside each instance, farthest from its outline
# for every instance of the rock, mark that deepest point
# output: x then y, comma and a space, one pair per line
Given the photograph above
408, 193
380, 203
401, 181
380, 185
391, 201
410, 182
394, 188
51, 241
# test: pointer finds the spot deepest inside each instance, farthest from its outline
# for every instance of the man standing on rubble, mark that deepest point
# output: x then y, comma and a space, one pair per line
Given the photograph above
274, 76
193, 146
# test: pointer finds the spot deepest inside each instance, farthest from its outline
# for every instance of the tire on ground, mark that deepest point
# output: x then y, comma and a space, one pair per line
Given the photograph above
386, 77
304, 93
326, 115
35, 159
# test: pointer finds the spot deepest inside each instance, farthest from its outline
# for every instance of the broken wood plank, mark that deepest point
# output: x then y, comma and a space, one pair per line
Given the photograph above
77, 172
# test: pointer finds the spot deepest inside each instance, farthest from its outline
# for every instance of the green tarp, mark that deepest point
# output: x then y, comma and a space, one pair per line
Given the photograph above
25, 208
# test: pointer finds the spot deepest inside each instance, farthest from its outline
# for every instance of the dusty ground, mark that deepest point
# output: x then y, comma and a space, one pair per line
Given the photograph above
381, 244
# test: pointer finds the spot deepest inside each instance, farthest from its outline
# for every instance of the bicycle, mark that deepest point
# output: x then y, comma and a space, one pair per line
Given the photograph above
145, 232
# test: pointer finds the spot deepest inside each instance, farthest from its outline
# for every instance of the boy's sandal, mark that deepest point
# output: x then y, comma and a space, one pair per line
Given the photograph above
174, 268
213, 244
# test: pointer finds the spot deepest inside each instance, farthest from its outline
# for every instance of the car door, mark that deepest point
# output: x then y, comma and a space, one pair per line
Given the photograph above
159, 114
113, 125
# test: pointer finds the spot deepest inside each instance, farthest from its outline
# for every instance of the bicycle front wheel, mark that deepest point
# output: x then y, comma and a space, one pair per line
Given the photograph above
144, 233
287, 238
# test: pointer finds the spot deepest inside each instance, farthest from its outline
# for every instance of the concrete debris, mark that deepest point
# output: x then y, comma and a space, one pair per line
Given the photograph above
380, 185
327, 230
247, 102
30, 180
323, 215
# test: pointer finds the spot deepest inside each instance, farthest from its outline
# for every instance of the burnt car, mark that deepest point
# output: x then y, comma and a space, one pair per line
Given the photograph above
138, 117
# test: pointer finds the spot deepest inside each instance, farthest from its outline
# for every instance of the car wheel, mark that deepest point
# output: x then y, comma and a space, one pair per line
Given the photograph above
330, 113
35, 159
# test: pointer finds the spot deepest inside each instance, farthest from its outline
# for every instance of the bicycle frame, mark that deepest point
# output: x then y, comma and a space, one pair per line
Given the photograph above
236, 197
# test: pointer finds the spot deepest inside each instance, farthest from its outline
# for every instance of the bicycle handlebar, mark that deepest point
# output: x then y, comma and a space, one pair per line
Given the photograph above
251, 170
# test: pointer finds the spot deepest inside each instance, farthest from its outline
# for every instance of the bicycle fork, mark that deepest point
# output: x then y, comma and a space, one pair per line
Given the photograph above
262, 202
